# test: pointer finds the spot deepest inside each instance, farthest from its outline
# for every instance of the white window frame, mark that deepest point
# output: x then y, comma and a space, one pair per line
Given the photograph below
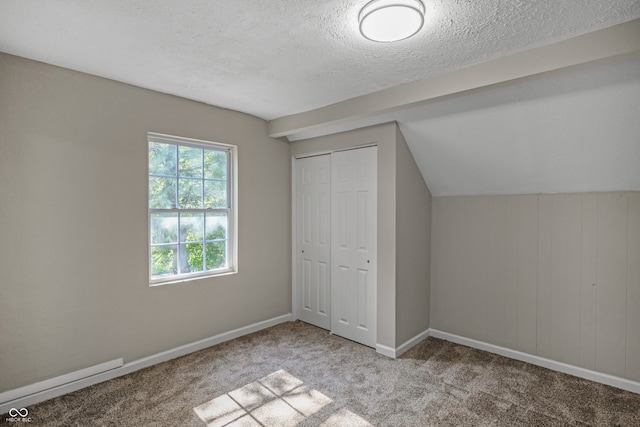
231, 209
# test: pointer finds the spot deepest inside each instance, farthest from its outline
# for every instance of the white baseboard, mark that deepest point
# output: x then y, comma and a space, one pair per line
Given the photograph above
394, 353
599, 377
403, 348
386, 351
38, 392
54, 387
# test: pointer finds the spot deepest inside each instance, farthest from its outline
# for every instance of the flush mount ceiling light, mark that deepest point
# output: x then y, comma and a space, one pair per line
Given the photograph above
391, 20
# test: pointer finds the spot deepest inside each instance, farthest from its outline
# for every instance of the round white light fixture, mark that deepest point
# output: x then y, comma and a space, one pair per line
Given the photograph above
391, 20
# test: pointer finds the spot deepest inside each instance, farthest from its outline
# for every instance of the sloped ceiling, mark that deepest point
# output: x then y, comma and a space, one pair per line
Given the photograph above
571, 130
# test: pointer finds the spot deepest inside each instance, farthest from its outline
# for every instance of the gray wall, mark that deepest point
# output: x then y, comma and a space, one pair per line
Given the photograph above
552, 275
413, 246
73, 224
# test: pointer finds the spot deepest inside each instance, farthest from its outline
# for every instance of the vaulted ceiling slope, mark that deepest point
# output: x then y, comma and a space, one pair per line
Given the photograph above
573, 130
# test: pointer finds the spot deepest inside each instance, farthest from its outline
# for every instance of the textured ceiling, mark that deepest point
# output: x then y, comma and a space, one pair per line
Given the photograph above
577, 130
280, 57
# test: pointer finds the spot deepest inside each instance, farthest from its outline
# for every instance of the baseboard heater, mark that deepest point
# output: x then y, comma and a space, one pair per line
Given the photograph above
22, 395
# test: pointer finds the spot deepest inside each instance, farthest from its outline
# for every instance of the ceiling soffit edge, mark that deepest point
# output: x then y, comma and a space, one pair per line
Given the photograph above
619, 40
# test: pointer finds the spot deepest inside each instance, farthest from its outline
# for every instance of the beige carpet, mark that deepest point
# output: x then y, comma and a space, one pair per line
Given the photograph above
297, 375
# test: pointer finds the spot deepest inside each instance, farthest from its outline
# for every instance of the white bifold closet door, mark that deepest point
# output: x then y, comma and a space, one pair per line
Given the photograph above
313, 223
336, 220
353, 244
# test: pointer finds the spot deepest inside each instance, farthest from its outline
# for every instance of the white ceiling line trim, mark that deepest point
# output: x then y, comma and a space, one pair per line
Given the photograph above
614, 41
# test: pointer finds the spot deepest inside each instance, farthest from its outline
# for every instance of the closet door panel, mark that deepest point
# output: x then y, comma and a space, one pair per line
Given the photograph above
313, 247
353, 249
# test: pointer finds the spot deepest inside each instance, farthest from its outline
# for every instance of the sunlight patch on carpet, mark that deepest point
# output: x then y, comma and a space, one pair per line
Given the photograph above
345, 418
279, 399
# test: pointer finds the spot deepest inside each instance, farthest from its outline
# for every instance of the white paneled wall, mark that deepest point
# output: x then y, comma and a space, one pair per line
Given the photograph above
611, 289
556, 276
633, 289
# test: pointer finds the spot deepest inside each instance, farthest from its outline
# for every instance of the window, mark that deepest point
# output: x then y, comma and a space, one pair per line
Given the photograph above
191, 208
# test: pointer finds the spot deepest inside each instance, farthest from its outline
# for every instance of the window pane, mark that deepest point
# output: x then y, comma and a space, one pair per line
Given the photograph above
194, 257
215, 194
162, 193
164, 228
190, 191
190, 161
216, 255
162, 159
215, 164
191, 227
163, 260
216, 226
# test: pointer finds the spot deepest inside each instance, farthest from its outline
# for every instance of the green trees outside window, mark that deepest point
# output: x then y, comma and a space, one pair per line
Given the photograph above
188, 208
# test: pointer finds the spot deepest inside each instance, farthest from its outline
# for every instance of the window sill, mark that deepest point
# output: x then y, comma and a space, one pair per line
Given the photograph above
161, 282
